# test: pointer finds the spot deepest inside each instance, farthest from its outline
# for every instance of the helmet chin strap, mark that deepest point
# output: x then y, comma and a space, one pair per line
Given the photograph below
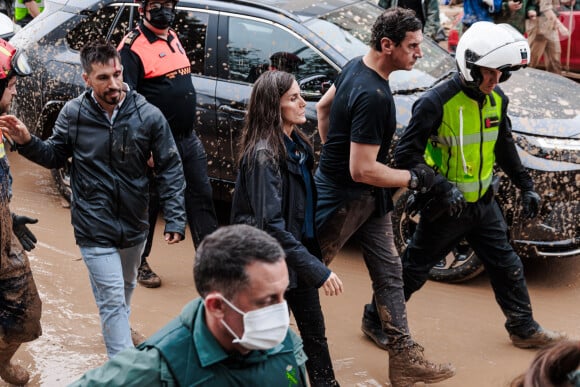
474, 85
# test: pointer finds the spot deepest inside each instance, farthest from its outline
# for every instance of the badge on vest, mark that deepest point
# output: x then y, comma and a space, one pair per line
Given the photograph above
491, 121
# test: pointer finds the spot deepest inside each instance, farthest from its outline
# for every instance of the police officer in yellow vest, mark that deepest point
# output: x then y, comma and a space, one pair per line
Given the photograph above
26, 10
461, 129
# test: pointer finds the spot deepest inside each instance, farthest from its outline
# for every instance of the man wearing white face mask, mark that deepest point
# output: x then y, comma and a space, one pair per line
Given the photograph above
236, 334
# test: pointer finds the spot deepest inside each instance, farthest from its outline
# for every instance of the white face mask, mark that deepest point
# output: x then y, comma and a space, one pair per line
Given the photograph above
264, 328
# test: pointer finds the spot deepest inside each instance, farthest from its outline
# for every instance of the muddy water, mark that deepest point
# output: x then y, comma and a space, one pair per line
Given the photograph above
456, 323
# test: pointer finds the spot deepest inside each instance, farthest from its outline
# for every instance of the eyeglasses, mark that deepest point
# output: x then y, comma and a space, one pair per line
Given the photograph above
158, 5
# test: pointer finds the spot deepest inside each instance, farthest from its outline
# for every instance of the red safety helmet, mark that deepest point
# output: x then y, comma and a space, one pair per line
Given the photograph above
12, 61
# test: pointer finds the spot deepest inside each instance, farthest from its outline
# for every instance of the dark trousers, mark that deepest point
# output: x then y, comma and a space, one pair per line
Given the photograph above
356, 220
201, 215
304, 303
483, 226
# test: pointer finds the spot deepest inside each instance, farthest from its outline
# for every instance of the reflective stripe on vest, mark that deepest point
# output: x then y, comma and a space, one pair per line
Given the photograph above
466, 159
20, 10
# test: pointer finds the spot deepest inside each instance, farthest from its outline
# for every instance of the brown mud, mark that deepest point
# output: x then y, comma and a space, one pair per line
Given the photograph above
460, 324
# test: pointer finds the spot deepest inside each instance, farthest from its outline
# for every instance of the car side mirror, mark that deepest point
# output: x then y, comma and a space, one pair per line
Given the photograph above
313, 87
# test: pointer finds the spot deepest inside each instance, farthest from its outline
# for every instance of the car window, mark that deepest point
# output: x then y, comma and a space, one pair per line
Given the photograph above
255, 47
191, 27
97, 25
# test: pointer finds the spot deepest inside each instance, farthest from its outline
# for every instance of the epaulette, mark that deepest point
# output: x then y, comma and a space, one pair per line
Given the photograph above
131, 36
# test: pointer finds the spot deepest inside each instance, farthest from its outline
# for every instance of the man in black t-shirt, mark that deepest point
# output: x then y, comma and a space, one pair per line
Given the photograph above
356, 121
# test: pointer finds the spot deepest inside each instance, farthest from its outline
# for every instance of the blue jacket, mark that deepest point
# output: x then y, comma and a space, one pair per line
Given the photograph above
477, 10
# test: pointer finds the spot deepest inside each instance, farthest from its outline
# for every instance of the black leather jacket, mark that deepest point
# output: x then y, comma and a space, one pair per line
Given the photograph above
272, 197
108, 174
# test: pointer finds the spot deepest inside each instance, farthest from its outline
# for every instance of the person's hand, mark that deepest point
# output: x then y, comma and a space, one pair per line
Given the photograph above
455, 202
333, 285
173, 237
425, 177
15, 129
22, 232
530, 203
562, 30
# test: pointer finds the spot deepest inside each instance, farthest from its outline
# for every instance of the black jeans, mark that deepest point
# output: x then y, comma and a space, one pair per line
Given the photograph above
304, 302
483, 226
356, 220
201, 215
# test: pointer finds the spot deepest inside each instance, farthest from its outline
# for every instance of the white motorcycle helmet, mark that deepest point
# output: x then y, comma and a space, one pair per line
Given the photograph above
496, 46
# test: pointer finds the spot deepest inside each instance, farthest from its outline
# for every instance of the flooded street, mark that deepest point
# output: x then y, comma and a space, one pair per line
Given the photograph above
460, 324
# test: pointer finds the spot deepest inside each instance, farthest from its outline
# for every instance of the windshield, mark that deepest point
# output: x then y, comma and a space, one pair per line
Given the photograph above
348, 30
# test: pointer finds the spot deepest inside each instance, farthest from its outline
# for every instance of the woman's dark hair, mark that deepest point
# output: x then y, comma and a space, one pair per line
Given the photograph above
551, 366
264, 117
394, 24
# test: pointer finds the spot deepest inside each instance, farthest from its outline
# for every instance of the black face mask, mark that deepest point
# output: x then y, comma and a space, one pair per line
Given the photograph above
161, 18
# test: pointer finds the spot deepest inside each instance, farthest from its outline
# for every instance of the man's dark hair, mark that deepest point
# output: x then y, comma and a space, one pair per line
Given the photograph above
100, 52
222, 258
394, 24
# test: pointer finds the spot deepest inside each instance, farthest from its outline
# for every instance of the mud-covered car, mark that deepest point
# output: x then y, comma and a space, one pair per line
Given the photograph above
230, 42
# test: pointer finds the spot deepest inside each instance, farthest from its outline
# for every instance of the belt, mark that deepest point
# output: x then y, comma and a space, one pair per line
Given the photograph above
487, 196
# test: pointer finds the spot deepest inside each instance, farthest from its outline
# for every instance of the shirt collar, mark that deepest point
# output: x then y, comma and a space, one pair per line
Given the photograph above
126, 90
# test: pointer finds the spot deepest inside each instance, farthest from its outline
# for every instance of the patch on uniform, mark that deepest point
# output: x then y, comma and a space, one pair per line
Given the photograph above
291, 375
491, 122
131, 37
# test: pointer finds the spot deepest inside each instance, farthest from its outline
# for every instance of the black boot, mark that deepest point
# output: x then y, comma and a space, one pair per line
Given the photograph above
371, 326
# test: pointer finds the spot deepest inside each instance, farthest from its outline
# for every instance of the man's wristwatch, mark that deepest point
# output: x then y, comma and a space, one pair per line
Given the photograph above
414, 181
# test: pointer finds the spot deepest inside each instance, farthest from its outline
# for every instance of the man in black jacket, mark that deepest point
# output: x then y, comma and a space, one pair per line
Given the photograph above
110, 132
461, 128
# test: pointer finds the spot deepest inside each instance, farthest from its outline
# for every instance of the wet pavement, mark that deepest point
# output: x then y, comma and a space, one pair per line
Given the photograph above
459, 323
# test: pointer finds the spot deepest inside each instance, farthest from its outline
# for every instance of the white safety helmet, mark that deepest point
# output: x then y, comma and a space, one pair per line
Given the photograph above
496, 46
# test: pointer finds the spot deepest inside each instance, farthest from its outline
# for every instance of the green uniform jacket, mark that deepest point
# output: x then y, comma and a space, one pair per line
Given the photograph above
185, 353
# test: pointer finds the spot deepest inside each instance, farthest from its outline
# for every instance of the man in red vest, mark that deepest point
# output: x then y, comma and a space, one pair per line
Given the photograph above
155, 64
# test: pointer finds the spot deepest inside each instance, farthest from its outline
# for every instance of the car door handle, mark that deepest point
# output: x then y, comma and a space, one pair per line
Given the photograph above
236, 113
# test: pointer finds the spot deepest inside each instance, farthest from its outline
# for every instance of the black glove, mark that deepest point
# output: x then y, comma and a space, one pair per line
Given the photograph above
531, 204
451, 202
23, 233
416, 202
455, 201
422, 178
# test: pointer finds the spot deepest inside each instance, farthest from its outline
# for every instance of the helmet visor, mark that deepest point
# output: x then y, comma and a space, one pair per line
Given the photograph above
20, 64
